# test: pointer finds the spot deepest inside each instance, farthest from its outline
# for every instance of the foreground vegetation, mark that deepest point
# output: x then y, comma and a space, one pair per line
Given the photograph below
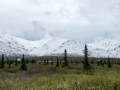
49, 77
60, 73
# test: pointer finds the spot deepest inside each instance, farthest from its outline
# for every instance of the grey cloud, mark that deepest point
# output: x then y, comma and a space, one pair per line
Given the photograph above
38, 26
82, 20
47, 13
64, 12
115, 14
57, 33
35, 30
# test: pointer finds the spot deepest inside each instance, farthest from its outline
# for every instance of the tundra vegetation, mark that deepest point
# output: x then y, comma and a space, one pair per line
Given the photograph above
60, 73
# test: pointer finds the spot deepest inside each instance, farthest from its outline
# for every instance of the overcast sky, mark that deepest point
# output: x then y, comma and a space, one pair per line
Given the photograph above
83, 20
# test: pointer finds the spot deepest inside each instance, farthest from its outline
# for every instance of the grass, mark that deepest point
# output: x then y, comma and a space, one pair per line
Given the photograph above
41, 77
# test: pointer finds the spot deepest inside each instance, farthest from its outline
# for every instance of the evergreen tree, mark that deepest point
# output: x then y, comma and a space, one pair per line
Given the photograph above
23, 66
86, 65
109, 63
47, 62
101, 62
44, 62
33, 61
2, 62
57, 64
76, 62
16, 62
9, 65
98, 62
65, 63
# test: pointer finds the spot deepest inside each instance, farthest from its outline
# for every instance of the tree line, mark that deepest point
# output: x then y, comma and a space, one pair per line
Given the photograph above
64, 62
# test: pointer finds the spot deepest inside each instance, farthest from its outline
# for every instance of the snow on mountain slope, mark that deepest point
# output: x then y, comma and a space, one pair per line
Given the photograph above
50, 45
14, 45
96, 52
73, 47
22, 43
109, 45
10, 46
105, 44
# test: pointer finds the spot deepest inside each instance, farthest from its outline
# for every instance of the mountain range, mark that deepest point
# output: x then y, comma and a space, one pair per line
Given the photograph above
51, 45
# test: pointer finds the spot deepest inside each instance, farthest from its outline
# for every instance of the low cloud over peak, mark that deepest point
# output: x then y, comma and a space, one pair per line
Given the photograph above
75, 19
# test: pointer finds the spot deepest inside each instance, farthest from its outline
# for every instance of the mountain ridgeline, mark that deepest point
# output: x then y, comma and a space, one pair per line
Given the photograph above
11, 45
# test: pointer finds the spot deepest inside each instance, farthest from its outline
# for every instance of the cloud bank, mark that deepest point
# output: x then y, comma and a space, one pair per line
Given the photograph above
83, 20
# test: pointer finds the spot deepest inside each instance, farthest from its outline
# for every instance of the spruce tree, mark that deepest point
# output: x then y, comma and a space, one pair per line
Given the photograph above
33, 61
76, 62
109, 63
2, 62
47, 62
57, 64
9, 65
101, 62
86, 65
98, 62
23, 66
65, 59
16, 62
44, 62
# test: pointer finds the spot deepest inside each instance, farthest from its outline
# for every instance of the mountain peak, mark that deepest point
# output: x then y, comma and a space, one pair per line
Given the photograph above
49, 44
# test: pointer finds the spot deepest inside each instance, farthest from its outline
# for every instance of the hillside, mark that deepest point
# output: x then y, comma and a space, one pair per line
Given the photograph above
51, 45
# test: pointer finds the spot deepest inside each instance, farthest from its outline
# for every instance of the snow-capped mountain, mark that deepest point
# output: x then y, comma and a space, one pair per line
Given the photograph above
110, 46
47, 45
11, 45
73, 48
51, 45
